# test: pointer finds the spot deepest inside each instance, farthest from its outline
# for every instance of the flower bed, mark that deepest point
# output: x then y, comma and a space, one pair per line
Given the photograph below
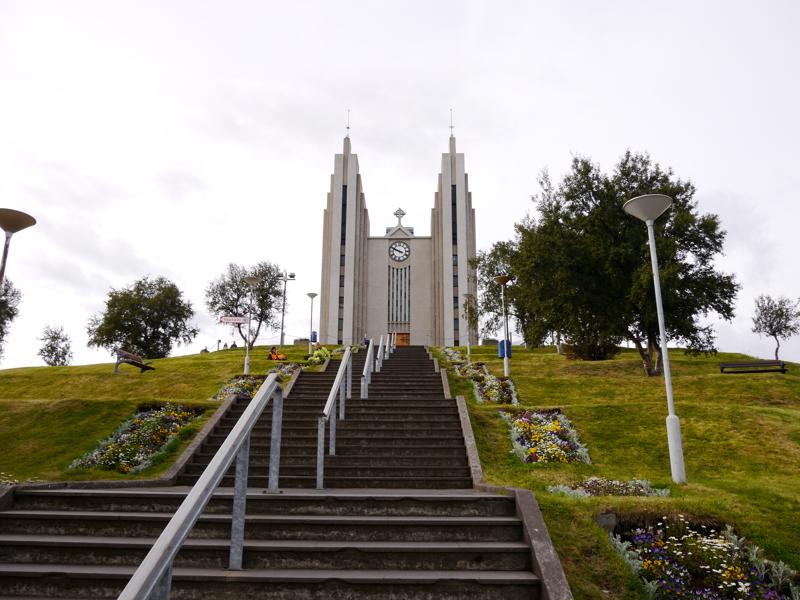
453, 355
600, 486
319, 356
545, 436
135, 443
679, 560
487, 386
241, 386
9, 479
286, 370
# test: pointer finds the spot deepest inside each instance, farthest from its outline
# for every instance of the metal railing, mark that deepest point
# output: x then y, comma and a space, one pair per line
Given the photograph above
379, 356
341, 390
369, 366
153, 579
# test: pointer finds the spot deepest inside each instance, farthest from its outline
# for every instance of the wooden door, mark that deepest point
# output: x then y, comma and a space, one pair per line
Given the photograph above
403, 339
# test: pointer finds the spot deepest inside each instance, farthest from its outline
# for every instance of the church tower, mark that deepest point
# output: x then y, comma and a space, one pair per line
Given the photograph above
453, 233
343, 303
414, 286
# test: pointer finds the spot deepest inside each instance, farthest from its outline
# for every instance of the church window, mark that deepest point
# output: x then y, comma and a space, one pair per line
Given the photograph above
455, 324
344, 214
455, 260
455, 301
341, 281
341, 301
341, 260
455, 281
453, 214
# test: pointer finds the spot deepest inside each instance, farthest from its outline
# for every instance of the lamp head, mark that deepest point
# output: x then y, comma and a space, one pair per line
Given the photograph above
648, 207
502, 279
12, 221
251, 280
312, 295
291, 275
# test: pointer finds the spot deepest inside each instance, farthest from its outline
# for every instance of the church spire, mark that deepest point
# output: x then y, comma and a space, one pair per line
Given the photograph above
452, 137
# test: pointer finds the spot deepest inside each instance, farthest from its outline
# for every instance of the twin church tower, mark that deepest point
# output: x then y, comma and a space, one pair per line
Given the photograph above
414, 286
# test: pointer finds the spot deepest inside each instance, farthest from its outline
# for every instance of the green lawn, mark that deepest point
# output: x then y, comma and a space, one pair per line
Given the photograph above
51, 415
741, 437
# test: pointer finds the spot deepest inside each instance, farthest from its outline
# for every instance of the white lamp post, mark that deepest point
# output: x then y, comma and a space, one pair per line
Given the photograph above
250, 280
311, 295
12, 221
502, 280
648, 208
286, 277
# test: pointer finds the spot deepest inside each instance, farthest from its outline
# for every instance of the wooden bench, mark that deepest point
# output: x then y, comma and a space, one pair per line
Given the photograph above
132, 359
758, 366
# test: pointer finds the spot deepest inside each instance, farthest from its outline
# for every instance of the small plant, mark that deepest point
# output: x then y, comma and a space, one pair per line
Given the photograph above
56, 350
135, 443
9, 479
679, 560
319, 356
600, 486
545, 436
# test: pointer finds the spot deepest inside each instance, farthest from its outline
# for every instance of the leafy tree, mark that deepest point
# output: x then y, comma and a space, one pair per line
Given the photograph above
145, 318
56, 350
229, 294
471, 313
582, 267
9, 301
777, 318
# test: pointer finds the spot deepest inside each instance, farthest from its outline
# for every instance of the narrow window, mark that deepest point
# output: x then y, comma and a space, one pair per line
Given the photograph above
344, 214
453, 214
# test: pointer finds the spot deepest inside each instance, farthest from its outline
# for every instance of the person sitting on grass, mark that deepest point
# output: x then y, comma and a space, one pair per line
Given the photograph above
275, 355
233, 345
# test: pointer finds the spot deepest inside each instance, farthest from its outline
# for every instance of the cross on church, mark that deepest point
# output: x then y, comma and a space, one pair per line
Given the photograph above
399, 214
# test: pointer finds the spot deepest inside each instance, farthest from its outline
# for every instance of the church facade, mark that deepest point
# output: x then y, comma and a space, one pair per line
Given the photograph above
414, 286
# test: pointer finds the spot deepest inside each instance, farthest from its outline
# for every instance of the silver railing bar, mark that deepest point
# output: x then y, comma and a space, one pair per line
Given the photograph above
153, 578
366, 374
379, 356
341, 389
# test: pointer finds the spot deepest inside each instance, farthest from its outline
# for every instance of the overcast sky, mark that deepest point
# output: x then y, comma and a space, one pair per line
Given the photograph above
171, 138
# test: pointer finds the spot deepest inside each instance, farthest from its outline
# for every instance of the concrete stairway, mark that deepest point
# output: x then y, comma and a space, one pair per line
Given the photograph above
398, 519
347, 544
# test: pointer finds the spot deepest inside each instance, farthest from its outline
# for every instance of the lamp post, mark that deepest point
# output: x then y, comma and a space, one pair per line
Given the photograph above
311, 295
648, 208
250, 280
12, 221
502, 280
285, 278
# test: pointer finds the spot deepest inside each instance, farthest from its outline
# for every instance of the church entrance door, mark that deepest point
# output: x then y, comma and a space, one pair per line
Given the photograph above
403, 339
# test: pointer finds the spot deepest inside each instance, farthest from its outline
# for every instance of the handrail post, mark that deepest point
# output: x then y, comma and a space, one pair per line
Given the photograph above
379, 357
320, 451
275, 441
239, 506
343, 395
332, 426
349, 380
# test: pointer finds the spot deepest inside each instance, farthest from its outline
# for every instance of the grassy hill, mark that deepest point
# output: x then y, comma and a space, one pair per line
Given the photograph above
51, 415
741, 437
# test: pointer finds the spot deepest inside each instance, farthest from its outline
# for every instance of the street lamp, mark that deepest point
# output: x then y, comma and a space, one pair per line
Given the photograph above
311, 295
648, 208
502, 280
12, 221
285, 278
250, 280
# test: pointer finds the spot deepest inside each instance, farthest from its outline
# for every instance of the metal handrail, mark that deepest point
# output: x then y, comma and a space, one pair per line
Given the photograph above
379, 356
153, 579
342, 389
366, 374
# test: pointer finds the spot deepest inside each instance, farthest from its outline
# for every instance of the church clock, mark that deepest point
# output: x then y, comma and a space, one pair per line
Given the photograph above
399, 251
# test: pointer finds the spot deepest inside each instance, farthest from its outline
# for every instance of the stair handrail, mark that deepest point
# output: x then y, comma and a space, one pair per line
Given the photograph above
341, 389
387, 346
379, 356
152, 580
366, 374
394, 343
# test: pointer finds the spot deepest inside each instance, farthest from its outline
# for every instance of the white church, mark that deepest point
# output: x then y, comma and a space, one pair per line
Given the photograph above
414, 286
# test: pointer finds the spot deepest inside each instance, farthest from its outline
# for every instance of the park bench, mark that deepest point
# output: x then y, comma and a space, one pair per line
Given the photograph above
132, 359
758, 366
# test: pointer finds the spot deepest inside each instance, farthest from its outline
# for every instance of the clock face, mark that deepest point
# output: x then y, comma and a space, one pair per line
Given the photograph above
399, 251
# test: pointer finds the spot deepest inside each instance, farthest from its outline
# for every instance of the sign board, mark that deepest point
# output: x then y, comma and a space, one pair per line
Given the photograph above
233, 320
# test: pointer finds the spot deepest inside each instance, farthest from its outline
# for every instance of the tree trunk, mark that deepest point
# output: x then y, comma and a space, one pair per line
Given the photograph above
778, 347
652, 361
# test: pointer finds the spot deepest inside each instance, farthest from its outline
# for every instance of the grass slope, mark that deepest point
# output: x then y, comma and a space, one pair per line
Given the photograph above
741, 437
51, 415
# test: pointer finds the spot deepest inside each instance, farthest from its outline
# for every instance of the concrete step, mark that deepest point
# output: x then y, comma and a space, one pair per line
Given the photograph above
278, 584
401, 503
272, 527
304, 482
344, 467
269, 554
